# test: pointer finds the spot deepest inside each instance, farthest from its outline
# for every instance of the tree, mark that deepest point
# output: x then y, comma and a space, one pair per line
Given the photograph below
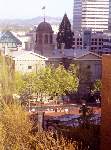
46, 83
86, 114
49, 82
65, 35
66, 81
6, 77
97, 86
17, 132
25, 86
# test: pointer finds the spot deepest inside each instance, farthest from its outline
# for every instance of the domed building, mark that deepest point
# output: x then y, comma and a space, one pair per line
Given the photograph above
45, 27
44, 39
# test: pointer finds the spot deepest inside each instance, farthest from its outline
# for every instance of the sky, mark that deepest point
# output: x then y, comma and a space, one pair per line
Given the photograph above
24, 9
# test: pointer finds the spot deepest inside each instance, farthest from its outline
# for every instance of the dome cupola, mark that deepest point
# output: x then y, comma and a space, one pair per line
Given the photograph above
44, 27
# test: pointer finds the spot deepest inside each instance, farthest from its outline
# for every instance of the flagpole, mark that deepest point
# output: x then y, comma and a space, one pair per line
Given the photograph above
44, 15
44, 12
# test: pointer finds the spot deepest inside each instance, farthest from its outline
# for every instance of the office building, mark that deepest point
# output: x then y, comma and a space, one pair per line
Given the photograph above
94, 14
77, 15
107, 43
92, 41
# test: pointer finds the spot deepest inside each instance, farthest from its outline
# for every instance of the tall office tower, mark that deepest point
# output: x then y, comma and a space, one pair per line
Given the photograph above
93, 14
109, 27
77, 15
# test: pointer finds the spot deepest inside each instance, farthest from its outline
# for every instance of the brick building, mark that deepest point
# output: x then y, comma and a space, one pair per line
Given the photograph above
106, 103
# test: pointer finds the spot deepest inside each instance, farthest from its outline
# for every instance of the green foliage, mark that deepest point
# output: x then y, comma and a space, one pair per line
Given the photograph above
18, 81
24, 85
49, 82
65, 35
6, 76
97, 86
16, 132
14, 128
66, 81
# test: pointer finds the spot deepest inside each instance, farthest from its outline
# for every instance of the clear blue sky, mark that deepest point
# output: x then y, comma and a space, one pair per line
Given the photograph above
12, 9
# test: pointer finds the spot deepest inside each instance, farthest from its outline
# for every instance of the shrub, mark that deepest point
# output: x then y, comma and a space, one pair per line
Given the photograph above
14, 127
15, 132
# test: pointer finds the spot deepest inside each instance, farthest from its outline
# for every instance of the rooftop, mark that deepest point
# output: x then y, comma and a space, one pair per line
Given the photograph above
44, 27
17, 54
8, 37
71, 53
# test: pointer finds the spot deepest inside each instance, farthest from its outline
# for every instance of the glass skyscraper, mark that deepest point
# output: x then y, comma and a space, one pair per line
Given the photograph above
77, 15
110, 15
94, 14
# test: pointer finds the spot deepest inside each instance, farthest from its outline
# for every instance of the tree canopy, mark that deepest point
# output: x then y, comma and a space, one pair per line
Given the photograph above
6, 76
49, 82
65, 35
97, 86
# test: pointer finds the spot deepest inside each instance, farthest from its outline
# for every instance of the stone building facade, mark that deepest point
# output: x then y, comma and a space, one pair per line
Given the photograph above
28, 61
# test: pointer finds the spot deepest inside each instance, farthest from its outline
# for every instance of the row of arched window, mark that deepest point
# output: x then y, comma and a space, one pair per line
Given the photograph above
46, 39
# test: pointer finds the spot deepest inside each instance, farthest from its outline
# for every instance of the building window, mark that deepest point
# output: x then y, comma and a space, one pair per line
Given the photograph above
29, 67
36, 38
77, 43
40, 39
88, 66
51, 39
46, 39
77, 39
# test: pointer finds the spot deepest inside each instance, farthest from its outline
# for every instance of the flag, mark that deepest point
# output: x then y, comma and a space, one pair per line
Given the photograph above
43, 7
